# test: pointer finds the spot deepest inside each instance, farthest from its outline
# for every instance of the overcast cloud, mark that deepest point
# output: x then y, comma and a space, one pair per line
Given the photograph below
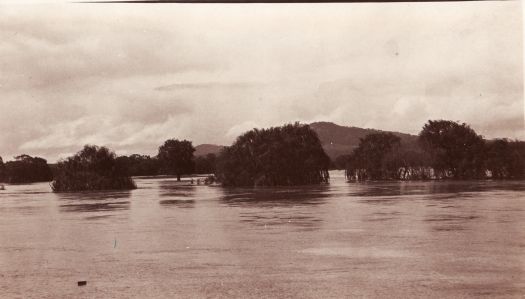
132, 76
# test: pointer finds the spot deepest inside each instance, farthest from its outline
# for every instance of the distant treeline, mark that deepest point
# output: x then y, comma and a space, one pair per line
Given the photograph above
98, 168
25, 169
287, 155
144, 165
446, 150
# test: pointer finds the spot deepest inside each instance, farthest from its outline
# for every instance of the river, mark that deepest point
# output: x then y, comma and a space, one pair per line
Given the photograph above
172, 240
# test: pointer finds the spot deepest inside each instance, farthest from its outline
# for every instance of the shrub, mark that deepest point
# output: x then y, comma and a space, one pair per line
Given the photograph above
92, 168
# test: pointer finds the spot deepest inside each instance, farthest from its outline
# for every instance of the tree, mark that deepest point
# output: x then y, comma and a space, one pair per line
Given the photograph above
2, 169
499, 158
92, 168
368, 160
517, 152
455, 149
205, 164
341, 162
177, 157
139, 165
408, 163
27, 169
506, 159
278, 156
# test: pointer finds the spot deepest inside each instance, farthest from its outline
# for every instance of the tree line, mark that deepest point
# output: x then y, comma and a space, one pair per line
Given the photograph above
98, 168
446, 150
25, 169
286, 155
279, 156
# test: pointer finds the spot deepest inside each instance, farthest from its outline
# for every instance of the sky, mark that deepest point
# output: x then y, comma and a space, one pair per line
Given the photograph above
131, 76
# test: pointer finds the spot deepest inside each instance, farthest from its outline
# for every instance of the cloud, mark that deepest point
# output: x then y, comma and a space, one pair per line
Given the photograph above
208, 85
132, 76
237, 130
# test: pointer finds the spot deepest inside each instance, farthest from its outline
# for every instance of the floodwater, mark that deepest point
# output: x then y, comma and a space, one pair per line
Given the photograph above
167, 240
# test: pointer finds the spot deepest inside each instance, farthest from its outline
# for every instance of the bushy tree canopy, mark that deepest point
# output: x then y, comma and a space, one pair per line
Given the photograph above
286, 155
455, 149
92, 168
205, 164
368, 159
177, 157
2, 170
506, 159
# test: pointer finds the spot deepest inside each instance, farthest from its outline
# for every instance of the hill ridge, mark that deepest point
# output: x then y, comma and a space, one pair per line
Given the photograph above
341, 140
336, 139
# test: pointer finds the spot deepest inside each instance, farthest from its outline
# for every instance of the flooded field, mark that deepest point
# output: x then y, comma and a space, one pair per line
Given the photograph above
168, 240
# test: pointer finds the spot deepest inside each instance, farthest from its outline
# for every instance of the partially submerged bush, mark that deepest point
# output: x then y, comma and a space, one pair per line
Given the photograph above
279, 156
92, 168
368, 160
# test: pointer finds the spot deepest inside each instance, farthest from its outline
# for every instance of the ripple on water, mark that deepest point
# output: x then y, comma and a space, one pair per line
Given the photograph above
358, 252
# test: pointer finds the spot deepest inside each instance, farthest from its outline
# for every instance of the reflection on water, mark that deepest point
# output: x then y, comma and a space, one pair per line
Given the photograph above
95, 207
179, 194
263, 219
180, 203
98, 201
170, 239
172, 188
452, 188
93, 196
269, 207
275, 197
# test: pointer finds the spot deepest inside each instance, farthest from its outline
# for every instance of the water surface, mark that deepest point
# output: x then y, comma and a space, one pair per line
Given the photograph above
173, 240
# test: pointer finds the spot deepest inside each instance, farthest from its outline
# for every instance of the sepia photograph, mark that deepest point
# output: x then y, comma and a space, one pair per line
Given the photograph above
243, 149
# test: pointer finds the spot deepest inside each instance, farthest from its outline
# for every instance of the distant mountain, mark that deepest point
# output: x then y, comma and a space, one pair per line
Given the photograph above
336, 140
340, 140
204, 149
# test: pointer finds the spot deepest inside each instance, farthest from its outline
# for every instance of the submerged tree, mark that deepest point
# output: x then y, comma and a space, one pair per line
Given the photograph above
368, 160
278, 156
92, 168
455, 149
506, 159
517, 152
177, 157
2, 170
408, 164
27, 169
205, 164
341, 162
